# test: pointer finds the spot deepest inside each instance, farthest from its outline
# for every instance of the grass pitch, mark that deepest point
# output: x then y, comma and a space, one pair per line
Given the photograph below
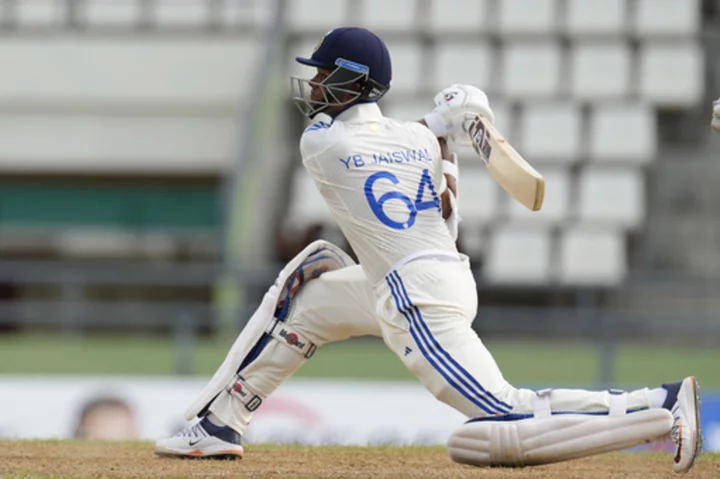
84, 459
569, 364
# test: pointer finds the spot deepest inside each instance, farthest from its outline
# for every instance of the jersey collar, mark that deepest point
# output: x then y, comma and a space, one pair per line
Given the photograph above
360, 113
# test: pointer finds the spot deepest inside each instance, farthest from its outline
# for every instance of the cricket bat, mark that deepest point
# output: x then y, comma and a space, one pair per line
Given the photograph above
506, 165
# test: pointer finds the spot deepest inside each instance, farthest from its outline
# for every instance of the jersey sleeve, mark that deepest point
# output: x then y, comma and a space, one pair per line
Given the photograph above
315, 139
314, 142
319, 144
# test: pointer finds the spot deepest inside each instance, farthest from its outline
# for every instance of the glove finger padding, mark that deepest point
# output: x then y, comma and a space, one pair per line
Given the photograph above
467, 98
454, 106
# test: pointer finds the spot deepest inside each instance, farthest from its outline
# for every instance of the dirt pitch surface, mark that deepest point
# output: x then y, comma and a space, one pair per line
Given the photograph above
79, 459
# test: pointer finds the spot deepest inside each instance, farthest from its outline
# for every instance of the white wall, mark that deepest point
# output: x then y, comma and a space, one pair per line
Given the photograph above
97, 143
115, 70
99, 104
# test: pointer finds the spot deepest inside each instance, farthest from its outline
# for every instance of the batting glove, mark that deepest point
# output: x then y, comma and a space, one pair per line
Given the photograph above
455, 107
716, 115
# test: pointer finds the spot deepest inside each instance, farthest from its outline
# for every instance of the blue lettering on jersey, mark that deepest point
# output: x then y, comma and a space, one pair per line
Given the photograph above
381, 159
402, 156
397, 157
352, 160
377, 205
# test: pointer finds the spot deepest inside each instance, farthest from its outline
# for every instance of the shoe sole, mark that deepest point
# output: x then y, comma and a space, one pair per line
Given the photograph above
216, 457
698, 433
220, 455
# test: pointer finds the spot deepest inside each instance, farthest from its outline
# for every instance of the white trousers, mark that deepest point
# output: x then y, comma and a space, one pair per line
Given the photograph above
423, 311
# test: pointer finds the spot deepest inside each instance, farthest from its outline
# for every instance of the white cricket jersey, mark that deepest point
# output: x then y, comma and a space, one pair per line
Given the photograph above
381, 179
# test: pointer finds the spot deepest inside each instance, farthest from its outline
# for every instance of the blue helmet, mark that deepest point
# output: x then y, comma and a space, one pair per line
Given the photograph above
353, 55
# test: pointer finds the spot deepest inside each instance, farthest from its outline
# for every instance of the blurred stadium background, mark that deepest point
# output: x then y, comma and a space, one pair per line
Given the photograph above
151, 187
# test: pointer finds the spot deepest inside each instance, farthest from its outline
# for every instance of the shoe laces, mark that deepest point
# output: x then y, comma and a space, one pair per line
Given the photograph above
676, 426
192, 431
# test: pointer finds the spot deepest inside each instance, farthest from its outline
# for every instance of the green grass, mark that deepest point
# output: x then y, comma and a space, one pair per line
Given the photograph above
532, 363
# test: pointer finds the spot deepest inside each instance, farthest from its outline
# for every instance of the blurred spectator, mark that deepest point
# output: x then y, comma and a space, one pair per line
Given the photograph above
107, 418
8, 293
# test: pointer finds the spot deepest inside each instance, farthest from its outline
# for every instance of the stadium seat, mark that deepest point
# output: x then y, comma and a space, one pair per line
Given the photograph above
457, 16
315, 15
384, 15
110, 143
208, 72
611, 196
245, 13
595, 17
478, 196
558, 183
531, 69
667, 18
407, 63
550, 132
672, 75
307, 204
181, 13
622, 133
592, 257
463, 62
518, 255
39, 13
102, 13
527, 17
80, 242
599, 70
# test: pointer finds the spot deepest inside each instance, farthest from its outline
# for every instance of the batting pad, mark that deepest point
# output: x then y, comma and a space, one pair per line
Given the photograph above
310, 263
534, 441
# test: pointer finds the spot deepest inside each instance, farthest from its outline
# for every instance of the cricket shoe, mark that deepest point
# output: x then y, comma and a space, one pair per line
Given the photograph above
202, 440
683, 401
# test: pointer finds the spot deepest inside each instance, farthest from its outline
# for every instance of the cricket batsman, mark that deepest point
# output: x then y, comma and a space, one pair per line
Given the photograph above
394, 190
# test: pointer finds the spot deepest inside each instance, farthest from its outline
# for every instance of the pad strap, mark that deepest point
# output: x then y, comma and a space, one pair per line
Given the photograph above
291, 338
618, 402
242, 391
541, 403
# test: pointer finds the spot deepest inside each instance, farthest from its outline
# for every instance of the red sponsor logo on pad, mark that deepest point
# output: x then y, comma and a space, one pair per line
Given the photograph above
292, 339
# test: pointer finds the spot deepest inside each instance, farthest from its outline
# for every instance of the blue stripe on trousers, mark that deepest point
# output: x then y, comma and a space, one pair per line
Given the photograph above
433, 359
494, 402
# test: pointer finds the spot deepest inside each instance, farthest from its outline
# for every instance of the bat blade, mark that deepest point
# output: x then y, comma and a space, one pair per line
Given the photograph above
509, 169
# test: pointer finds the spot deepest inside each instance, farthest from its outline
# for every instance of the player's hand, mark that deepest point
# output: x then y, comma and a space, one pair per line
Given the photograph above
716, 115
454, 107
